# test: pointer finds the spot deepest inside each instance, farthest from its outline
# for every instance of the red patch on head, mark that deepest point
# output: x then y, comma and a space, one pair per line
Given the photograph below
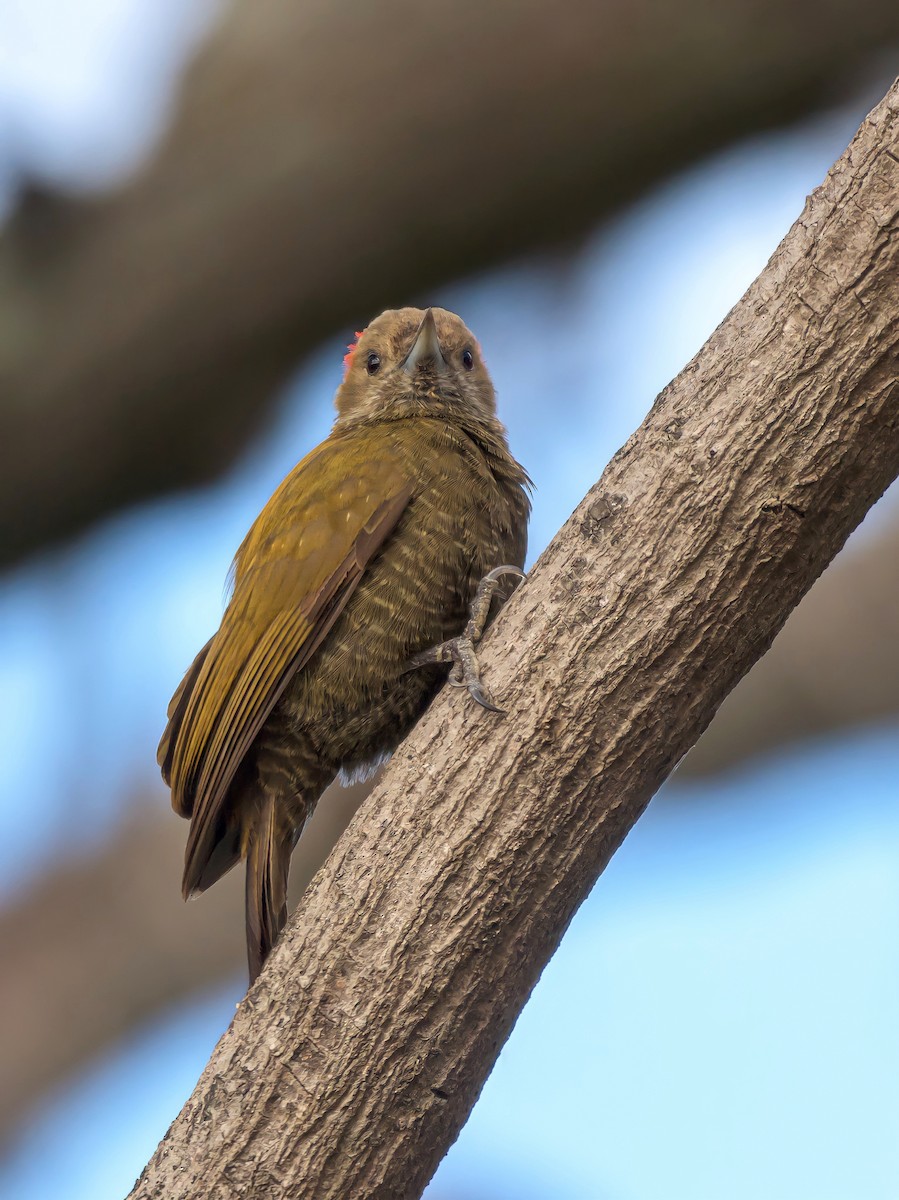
351, 350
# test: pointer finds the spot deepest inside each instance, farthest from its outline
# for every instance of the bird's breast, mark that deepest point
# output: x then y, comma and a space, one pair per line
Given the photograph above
460, 523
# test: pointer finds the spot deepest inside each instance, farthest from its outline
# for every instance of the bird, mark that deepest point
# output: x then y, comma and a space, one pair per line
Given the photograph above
365, 581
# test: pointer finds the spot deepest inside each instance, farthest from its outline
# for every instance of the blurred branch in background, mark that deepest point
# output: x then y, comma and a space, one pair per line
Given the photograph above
833, 667
105, 942
348, 156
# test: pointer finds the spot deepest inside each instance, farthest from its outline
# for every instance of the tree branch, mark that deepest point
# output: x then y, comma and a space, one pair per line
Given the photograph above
356, 1058
314, 176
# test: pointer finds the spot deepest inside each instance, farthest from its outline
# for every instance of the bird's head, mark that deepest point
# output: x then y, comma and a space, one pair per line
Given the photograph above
415, 362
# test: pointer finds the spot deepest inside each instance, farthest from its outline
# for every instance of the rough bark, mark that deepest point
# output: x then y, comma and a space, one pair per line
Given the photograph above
357, 1056
330, 159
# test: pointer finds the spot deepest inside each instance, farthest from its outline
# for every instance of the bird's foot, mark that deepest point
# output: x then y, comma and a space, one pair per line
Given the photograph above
460, 650
480, 606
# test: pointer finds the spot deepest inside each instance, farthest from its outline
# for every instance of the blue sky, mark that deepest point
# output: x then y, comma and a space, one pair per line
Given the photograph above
720, 1018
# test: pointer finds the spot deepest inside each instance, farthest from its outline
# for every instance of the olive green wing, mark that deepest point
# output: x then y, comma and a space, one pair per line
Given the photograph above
294, 574
175, 714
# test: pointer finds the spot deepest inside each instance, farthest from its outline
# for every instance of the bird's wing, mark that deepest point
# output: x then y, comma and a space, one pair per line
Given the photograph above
294, 574
175, 714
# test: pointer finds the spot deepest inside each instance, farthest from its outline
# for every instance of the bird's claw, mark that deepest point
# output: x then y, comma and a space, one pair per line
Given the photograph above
460, 650
466, 673
480, 605
477, 693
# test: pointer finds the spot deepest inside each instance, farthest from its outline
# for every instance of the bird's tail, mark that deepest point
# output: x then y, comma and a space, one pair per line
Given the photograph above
269, 844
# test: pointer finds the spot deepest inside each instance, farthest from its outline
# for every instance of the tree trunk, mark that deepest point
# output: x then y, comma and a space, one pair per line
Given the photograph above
331, 158
355, 1059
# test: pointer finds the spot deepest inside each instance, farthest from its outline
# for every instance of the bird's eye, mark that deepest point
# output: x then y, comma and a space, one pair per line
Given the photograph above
467, 360
372, 363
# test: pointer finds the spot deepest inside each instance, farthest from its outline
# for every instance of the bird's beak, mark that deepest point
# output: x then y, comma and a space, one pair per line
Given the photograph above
426, 348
